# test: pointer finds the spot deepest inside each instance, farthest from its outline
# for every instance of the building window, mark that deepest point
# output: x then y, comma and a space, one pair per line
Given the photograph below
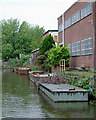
86, 10
60, 28
76, 48
69, 46
67, 22
76, 17
86, 46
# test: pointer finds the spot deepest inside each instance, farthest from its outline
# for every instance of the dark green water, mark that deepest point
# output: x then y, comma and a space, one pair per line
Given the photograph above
21, 99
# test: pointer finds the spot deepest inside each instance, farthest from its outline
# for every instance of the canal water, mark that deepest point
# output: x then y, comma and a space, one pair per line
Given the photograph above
21, 99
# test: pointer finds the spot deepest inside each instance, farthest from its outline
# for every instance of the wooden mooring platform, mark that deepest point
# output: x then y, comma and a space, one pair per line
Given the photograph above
64, 92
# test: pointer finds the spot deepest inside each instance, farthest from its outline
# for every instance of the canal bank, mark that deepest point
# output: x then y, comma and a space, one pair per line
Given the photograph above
39, 77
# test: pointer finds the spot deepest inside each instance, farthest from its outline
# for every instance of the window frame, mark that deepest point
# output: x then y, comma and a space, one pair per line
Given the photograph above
75, 50
86, 45
68, 22
76, 17
70, 48
60, 28
86, 10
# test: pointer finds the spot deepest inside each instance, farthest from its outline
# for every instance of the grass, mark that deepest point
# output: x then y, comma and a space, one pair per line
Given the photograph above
82, 73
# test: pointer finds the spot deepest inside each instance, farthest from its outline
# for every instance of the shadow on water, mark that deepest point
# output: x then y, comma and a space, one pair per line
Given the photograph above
21, 99
68, 109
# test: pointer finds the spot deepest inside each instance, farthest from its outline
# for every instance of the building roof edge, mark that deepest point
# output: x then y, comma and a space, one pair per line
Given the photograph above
50, 31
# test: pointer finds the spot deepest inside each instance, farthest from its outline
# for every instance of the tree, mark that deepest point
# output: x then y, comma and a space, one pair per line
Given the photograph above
46, 44
56, 54
24, 40
7, 50
9, 35
21, 38
37, 37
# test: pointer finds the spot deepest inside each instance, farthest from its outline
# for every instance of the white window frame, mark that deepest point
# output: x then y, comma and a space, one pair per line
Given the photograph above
76, 48
76, 17
68, 23
70, 48
86, 46
86, 10
60, 27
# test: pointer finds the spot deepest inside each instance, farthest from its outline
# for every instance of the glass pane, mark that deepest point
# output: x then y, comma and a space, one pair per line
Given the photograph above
86, 10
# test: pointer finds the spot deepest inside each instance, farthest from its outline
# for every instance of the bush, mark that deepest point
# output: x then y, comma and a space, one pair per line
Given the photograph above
56, 54
83, 83
41, 59
16, 62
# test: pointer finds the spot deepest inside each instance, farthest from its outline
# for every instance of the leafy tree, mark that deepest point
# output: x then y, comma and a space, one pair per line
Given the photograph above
21, 38
46, 44
9, 35
37, 37
7, 50
9, 30
24, 40
56, 54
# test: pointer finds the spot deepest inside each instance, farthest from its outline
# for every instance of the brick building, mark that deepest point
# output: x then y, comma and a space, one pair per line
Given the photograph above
53, 33
77, 29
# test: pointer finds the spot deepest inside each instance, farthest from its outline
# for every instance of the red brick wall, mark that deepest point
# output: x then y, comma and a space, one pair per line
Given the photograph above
45, 35
60, 20
60, 33
77, 32
94, 24
74, 8
60, 37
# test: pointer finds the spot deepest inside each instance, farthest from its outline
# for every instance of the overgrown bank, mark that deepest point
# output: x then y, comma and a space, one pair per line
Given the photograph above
80, 79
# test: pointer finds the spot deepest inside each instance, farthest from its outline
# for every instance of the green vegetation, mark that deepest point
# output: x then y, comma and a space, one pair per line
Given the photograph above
83, 83
50, 55
46, 44
82, 73
82, 79
56, 54
19, 38
16, 62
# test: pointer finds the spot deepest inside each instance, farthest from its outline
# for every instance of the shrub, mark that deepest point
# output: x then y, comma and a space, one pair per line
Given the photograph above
46, 45
56, 54
16, 62
83, 83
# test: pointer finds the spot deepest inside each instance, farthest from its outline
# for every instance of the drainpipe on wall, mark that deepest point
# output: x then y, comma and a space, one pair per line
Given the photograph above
94, 26
63, 28
94, 34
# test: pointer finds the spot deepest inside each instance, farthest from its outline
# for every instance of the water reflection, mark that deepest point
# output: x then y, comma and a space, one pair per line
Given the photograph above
69, 109
22, 100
